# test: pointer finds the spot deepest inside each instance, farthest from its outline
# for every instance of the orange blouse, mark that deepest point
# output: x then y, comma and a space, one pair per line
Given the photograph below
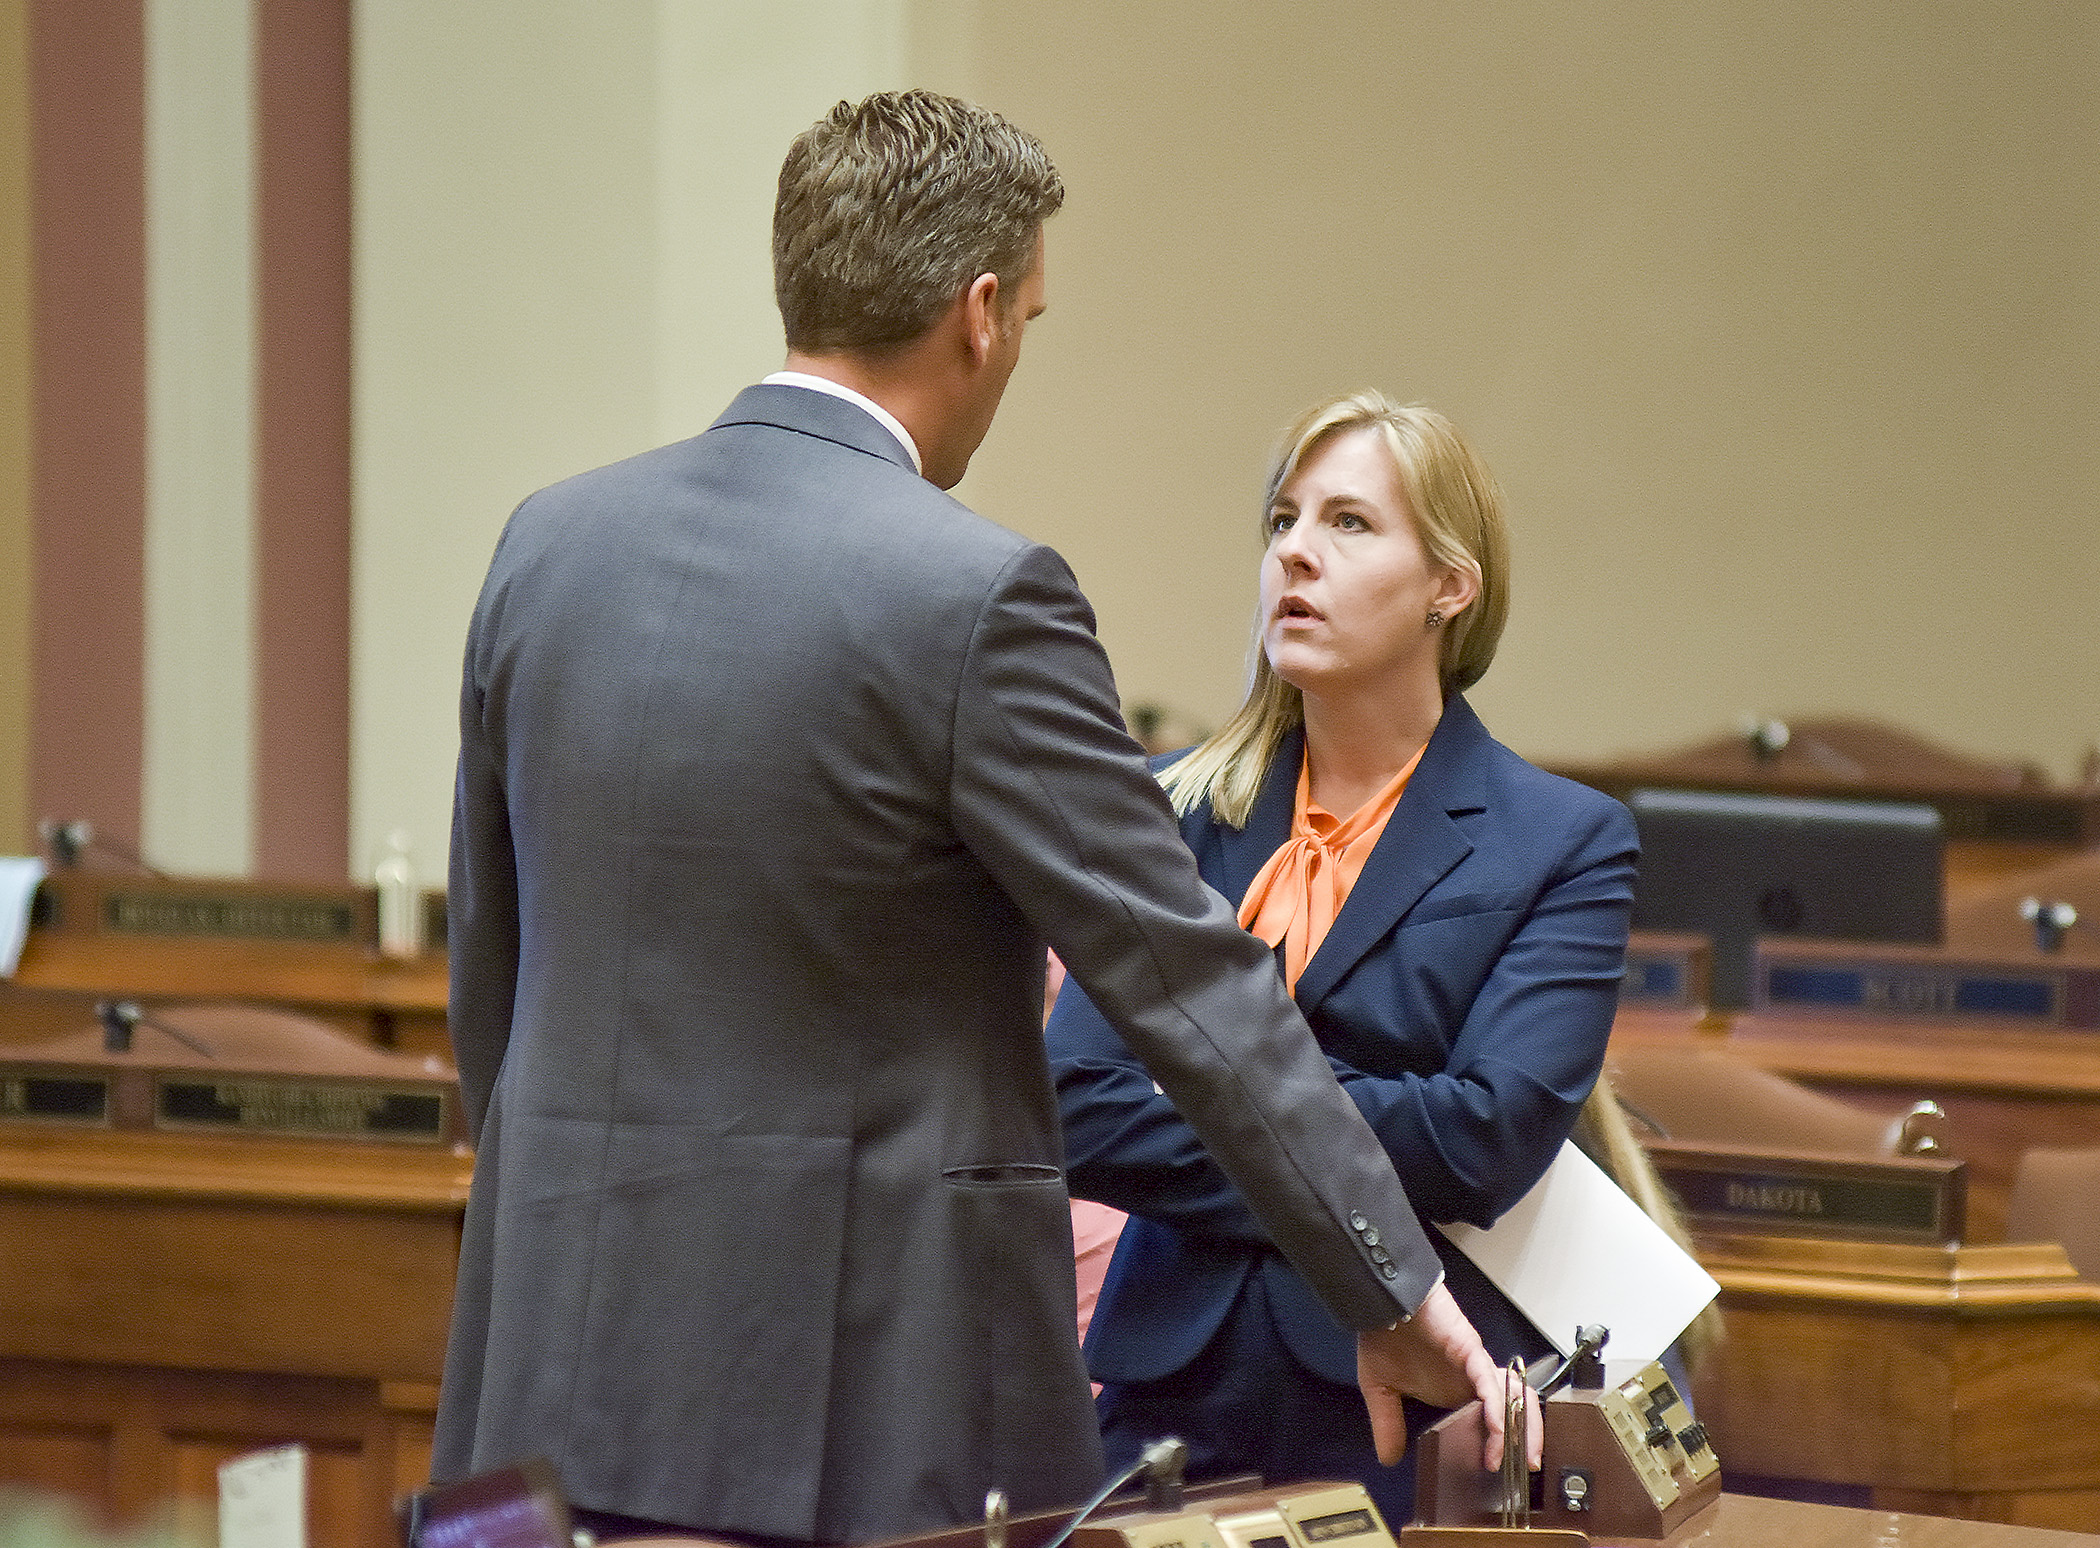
1294, 898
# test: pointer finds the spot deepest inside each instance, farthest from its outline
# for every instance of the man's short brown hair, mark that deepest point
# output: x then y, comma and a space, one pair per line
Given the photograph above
889, 207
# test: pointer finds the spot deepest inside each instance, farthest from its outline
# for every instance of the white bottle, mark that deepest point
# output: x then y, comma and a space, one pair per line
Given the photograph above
400, 900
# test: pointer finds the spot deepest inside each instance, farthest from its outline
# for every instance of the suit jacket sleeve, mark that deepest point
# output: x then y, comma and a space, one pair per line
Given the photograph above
481, 903
1054, 799
1471, 1114
1126, 1145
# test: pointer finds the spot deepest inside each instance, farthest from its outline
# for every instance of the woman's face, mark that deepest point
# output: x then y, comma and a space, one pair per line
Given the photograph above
1346, 588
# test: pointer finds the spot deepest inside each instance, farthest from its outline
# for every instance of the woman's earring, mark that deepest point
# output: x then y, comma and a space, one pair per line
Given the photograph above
1435, 618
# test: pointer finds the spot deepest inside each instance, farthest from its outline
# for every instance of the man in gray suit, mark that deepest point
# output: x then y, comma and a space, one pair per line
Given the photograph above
778, 767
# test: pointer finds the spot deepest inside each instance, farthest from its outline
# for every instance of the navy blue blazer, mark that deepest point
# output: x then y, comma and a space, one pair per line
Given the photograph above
1464, 997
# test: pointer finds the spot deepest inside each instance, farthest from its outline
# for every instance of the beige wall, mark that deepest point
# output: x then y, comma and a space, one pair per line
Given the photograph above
562, 217
195, 811
1780, 323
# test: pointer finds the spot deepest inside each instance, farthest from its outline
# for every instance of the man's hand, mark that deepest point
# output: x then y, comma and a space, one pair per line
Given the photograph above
1437, 1357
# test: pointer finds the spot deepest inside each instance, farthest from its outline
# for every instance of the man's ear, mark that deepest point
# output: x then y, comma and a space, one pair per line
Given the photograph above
982, 321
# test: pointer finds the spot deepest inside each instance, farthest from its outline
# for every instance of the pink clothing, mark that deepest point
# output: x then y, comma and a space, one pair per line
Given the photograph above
1095, 1228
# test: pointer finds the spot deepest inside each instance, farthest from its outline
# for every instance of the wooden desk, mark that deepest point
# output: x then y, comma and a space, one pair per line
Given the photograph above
1745, 1522
2002, 1091
1990, 808
169, 1302
1736, 1521
309, 949
1987, 918
1952, 1381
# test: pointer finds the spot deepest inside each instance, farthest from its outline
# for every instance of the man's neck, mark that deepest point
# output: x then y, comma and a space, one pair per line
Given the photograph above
848, 370
891, 383
924, 383
793, 375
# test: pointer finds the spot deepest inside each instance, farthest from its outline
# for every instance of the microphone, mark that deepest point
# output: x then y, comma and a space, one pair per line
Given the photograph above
70, 840
1162, 1463
1159, 1464
1584, 1367
122, 1018
2050, 919
119, 1020
1767, 738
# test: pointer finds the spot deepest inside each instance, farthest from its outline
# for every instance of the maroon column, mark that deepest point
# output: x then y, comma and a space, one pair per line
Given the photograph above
88, 445
302, 486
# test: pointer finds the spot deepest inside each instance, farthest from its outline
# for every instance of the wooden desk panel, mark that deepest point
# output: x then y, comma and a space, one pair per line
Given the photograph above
128, 1445
1980, 801
1744, 1522
398, 1005
1735, 1521
1950, 1381
1985, 915
168, 1302
1978, 872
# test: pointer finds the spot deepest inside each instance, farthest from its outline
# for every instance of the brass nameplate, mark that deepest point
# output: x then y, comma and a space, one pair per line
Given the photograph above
336, 1110
1667, 971
1737, 1188
54, 1099
2035, 819
321, 919
1655, 981
1865, 985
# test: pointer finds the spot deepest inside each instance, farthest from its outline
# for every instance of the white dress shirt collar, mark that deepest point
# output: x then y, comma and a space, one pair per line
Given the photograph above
883, 416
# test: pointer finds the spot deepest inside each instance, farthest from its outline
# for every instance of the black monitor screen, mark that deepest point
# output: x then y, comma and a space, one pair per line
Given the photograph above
1734, 867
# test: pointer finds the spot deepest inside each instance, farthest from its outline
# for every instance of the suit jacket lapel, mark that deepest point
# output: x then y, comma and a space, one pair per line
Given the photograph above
1420, 845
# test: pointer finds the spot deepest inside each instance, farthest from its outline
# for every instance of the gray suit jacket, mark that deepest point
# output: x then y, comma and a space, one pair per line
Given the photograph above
777, 768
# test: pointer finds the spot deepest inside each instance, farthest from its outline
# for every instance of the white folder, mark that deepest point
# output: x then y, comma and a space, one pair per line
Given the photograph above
1577, 1250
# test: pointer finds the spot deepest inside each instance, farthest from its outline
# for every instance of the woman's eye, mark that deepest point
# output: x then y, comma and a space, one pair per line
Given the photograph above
1349, 521
1280, 521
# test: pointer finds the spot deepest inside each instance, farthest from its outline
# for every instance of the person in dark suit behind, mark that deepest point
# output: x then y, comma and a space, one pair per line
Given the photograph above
1451, 920
778, 767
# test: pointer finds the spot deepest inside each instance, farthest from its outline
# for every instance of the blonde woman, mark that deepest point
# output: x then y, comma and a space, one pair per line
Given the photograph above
1451, 920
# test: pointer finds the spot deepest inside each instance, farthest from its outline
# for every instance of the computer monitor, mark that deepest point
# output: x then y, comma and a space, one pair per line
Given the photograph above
1734, 867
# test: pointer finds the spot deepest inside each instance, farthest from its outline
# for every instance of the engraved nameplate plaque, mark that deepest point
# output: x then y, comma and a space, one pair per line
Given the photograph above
316, 1109
1864, 982
235, 917
1666, 971
54, 1098
1802, 1193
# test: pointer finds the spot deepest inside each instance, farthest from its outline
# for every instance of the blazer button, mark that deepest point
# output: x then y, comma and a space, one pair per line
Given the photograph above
1357, 1221
1390, 1271
1380, 1256
1370, 1235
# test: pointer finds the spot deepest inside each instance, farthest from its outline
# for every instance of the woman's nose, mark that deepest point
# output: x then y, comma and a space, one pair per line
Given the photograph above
1294, 549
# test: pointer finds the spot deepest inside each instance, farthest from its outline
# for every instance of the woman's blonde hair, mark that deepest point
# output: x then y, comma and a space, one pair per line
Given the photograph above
1456, 507
1603, 1133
